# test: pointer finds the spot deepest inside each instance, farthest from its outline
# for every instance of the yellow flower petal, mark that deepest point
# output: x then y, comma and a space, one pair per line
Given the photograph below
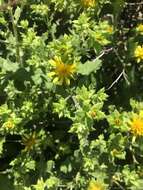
67, 81
55, 81
88, 3
51, 74
52, 62
61, 81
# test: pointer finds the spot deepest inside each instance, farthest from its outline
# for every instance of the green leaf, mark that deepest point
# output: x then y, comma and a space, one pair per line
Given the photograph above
50, 165
89, 67
7, 65
17, 14
30, 165
64, 169
52, 182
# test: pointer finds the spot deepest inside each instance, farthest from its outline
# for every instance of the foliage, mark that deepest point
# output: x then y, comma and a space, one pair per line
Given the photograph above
71, 108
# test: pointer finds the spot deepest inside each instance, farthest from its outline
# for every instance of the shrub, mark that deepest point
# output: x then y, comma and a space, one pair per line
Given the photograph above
71, 108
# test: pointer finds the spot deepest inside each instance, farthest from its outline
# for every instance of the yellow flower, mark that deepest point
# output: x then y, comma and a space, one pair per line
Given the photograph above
61, 72
92, 114
88, 3
93, 185
29, 142
137, 125
138, 53
117, 121
140, 28
9, 124
109, 29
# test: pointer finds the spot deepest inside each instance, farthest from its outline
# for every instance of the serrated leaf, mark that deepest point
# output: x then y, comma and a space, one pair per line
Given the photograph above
89, 67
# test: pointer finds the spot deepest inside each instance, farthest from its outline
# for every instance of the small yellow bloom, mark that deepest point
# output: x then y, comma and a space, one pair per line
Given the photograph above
137, 125
29, 142
109, 29
138, 53
140, 28
61, 72
88, 3
92, 114
93, 185
9, 124
117, 121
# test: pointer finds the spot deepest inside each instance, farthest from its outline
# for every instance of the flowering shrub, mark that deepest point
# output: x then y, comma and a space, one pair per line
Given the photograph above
71, 107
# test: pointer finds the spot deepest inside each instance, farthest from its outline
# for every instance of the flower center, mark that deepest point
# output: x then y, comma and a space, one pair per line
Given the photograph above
63, 70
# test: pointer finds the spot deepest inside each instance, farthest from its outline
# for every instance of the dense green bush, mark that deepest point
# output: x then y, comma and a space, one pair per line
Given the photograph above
71, 108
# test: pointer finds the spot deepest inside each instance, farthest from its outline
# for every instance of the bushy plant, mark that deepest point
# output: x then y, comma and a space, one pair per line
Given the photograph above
71, 108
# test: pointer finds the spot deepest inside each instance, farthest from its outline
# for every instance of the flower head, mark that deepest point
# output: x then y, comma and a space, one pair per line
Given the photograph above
29, 141
61, 72
93, 185
9, 124
109, 29
88, 3
138, 53
137, 125
140, 28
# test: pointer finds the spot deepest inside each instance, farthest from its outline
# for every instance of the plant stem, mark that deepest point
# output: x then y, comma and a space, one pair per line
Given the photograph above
15, 35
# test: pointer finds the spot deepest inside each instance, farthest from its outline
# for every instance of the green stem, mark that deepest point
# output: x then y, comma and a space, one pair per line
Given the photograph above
15, 35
